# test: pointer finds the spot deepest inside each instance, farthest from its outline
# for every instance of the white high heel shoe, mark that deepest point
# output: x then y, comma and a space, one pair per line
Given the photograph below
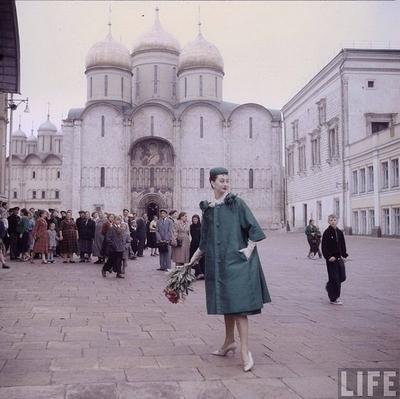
249, 364
224, 351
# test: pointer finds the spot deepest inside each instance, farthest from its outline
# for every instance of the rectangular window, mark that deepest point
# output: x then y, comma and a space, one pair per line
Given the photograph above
371, 220
34, 194
386, 221
355, 182
152, 125
14, 195
105, 85
319, 210
363, 222
186, 87
201, 86
201, 127
385, 174
57, 194
394, 172
362, 180
122, 87
155, 79
290, 164
295, 130
370, 84
333, 143
355, 222
216, 87
302, 158
337, 207
58, 174
315, 151
59, 146
91, 87
293, 216
201, 177
103, 126
396, 221
43, 194
251, 178
321, 112
370, 178
250, 127
379, 126
33, 175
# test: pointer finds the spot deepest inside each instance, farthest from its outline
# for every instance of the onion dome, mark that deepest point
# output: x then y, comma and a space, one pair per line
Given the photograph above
156, 39
108, 53
32, 138
19, 133
199, 53
47, 127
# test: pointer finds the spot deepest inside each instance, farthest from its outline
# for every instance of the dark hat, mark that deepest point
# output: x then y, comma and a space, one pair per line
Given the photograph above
218, 171
16, 208
51, 210
81, 212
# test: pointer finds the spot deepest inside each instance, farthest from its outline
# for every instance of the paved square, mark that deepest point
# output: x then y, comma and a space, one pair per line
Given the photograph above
66, 332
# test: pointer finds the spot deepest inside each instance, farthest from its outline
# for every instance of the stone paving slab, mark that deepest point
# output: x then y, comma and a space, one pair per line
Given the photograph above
66, 332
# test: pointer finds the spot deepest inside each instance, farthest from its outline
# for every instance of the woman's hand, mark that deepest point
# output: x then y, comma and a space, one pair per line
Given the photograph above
332, 259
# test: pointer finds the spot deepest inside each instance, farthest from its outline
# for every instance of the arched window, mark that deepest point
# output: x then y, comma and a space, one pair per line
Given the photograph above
105, 85
58, 174
201, 177
34, 194
186, 87
91, 87
250, 127
201, 127
33, 175
251, 178
102, 177
57, 194
201, 86
103, 125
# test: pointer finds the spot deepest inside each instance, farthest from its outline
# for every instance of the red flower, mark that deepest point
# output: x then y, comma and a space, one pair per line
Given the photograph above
171, 295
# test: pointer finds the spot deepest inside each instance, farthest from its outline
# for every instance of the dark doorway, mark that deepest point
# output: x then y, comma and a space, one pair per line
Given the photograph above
152, 210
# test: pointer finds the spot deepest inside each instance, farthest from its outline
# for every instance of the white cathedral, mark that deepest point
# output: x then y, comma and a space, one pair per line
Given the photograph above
154, 124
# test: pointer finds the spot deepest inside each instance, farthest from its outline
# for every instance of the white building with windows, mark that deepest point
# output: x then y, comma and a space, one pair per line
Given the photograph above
36, 179
342, 144
154, 124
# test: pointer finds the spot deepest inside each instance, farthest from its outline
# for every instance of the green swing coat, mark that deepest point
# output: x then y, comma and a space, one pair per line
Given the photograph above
234, 285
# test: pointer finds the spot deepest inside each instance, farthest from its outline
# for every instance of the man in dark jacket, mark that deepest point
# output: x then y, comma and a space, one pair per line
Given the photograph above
334, 250
140, 235
13, 222
86, 230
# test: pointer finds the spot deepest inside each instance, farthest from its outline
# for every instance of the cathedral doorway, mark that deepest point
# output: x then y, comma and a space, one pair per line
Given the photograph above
152, 173
152, 210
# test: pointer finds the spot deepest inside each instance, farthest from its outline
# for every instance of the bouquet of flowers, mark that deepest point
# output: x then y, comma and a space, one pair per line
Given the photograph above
179, 282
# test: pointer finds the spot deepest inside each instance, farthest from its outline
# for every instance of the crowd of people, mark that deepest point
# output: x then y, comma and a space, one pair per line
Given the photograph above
104, 238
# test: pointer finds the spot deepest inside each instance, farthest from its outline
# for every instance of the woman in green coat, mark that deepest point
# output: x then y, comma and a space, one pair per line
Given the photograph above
234, 280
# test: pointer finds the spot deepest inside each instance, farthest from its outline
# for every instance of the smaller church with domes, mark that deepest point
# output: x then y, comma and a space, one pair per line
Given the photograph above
154, 124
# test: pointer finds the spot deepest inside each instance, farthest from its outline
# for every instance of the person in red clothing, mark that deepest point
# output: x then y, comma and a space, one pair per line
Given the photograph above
41, 245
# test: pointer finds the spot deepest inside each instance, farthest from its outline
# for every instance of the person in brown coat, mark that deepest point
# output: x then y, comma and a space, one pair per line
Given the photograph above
41, 245
180, 240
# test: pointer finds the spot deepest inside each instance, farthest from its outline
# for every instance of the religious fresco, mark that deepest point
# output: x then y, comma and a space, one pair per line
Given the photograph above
152, 171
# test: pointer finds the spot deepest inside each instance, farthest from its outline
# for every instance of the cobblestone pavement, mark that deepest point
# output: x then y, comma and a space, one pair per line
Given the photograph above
66, 332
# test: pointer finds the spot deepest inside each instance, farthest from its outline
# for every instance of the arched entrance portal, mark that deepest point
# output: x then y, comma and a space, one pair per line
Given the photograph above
152, 210
152, 175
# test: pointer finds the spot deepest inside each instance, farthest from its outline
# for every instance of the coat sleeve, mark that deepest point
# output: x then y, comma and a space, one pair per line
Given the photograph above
343, 249
249, 223
325, 245
203, 234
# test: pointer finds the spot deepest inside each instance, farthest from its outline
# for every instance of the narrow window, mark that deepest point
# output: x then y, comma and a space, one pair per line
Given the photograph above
355, 222
319, 210
385, 174
122, 87
14, 195
185, 87
155, 79
103, 125
105, 85
362, 180
370, 178
91, 87
34, 194
216, 87
137, 83
51, 144
355, 182
396, 221
58, 174
152, 177
371, 219
337, 207
250, 127
173, 82
152, 125
43, 144
201, 127
251, 178
33, 175
395, 172
43, 194
57, 194
201, 86
386, 221
59, 146
201, 177
102, 177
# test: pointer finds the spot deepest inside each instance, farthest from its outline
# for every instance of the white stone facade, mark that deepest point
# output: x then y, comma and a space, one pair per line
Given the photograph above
155, 148
357, 93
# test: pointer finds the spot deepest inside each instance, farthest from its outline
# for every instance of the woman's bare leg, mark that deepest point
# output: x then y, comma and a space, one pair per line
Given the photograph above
242, 324
229, 330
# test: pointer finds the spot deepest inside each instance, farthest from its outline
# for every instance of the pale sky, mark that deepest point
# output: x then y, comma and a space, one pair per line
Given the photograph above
270, 49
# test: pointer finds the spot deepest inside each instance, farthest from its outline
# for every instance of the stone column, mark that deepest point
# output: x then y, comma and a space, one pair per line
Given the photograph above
377, 231
176, 144
76, 166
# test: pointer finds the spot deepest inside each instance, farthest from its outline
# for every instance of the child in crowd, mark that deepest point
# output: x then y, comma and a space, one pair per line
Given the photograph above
52, 234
